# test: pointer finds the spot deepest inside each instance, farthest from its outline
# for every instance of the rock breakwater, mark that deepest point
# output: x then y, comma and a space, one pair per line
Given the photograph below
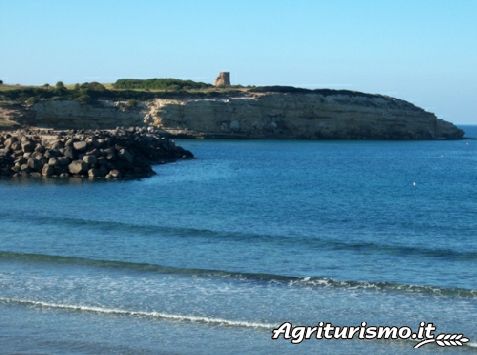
110, 154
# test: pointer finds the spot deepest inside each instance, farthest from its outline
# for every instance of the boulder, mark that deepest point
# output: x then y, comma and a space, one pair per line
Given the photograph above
15, 146
57, 144
96, 173
80, 146
9, 141
68, 152
63, 161
109, 153
124, 154
39, 148
90, 160
34, 164
114, 174
28, 146
47, 170
77, 167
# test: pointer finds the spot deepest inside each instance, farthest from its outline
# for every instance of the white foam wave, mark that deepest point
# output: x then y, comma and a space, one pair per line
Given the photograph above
131, 313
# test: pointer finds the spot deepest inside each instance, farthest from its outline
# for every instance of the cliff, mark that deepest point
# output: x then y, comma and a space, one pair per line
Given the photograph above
303, 114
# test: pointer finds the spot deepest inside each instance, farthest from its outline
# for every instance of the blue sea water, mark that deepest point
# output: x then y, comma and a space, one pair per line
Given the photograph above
210, 254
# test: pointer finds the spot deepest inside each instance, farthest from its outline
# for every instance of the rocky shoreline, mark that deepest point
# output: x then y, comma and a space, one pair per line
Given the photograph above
94, 154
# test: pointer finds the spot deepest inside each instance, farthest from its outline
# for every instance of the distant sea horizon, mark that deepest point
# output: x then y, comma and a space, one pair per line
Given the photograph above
470, 130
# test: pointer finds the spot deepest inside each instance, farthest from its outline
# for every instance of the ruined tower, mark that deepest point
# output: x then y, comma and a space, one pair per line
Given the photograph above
223, 79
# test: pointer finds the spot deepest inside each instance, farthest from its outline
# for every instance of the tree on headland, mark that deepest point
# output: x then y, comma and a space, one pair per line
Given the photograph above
60, 85
46, 85
1, 82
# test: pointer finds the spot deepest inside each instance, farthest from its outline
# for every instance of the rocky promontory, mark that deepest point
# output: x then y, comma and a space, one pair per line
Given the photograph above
274, 112
110, 154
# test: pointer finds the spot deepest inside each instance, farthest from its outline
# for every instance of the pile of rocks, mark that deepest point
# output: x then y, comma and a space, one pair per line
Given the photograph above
112, 154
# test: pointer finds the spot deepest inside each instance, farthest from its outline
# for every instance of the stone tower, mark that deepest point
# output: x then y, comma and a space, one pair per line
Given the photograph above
223, 79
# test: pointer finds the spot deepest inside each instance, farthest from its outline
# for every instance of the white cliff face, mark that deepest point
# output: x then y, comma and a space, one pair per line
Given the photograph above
73, 114
298, 116
266, 115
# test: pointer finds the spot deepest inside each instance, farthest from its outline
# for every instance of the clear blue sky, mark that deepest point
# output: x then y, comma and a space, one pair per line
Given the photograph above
424, 51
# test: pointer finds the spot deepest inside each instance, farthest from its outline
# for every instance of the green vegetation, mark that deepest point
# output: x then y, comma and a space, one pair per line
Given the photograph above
159, 84
93, 91
94, 86
295, 90
133, 91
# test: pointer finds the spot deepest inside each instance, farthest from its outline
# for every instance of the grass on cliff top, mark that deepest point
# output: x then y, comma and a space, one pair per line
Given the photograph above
147, 89
90, 92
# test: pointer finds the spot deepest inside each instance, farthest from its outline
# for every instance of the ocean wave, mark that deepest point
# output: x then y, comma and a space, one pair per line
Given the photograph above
205, 320
124, 312
305, 241
298, 281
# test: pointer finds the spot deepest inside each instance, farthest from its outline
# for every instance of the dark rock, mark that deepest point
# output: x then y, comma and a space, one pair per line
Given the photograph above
39, 148
68, 152
57, 144
34, 164
28, 146
90, 160
109, 153
47, 170
122, 153
15, 146
63, 161
96, 173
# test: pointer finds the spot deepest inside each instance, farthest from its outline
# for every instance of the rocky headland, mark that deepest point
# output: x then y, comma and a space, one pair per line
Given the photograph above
198, 110
109, 154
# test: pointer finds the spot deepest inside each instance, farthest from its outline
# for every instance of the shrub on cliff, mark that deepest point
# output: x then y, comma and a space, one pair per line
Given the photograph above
31, 100
84, 99
94, 85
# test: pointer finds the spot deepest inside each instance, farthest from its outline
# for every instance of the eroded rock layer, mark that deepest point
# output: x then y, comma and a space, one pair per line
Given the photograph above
305, 116
318, 114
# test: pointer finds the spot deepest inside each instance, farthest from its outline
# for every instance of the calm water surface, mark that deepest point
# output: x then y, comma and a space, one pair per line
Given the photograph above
211, 253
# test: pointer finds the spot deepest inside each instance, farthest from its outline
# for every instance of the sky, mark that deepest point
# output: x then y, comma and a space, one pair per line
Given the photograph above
423, 51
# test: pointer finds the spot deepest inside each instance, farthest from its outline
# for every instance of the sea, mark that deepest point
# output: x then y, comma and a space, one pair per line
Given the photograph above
212, 254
